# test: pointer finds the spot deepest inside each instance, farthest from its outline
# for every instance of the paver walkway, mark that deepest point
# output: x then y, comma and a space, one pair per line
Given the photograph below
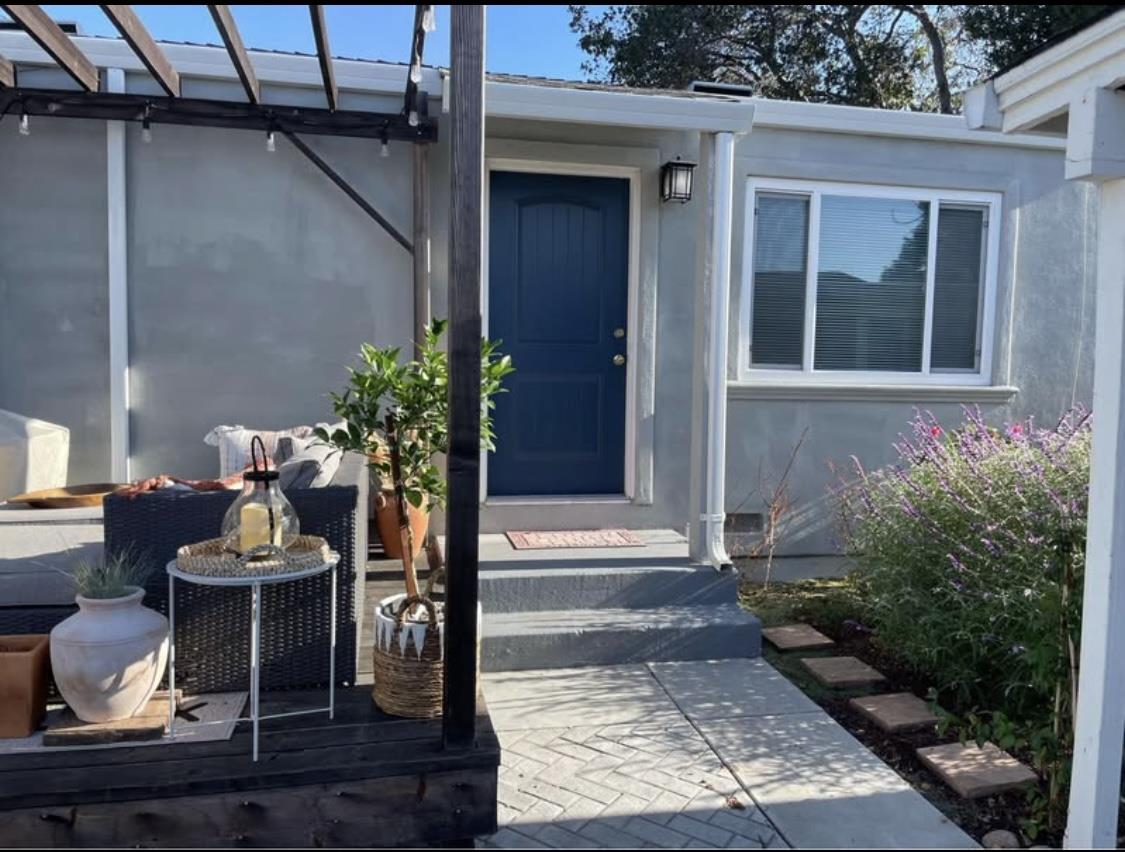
722, 754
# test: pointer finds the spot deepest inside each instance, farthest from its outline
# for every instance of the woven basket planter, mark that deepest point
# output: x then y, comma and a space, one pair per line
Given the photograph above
409, 658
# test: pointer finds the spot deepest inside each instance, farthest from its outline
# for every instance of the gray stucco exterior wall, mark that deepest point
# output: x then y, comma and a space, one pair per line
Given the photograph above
253, 281
1043, 337
54, 335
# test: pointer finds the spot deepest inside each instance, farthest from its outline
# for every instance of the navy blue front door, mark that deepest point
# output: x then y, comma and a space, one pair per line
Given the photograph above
558, 299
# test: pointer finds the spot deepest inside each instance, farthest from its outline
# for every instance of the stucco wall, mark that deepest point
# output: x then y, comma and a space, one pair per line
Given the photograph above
253, 280
1043, 343
54, 341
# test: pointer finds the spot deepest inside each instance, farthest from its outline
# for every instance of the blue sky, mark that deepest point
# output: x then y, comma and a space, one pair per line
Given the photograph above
521, 39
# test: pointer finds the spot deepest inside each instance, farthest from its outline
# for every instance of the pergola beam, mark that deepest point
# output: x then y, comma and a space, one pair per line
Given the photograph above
47, 34
228, 32
7, 74
324, 56
146, 48
349, 191
197, 112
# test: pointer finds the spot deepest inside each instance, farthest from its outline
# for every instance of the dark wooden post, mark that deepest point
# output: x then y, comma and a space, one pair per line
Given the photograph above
462, 518
421, 244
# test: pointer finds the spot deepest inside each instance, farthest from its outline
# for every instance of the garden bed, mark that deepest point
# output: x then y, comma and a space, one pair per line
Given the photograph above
834, 607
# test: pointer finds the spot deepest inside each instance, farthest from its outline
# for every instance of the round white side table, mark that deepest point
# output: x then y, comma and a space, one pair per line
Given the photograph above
255, 584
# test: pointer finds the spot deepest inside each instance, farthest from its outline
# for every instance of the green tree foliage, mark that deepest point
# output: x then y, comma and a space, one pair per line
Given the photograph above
1009, 33
891, 56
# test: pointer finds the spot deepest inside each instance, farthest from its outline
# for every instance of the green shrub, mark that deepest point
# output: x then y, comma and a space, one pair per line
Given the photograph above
971, 548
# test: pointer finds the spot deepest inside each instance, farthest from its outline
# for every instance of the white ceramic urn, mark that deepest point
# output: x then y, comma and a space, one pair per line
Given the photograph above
108, 658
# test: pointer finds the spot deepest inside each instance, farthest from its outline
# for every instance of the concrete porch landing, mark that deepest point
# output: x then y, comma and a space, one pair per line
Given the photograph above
601, 606
724, 754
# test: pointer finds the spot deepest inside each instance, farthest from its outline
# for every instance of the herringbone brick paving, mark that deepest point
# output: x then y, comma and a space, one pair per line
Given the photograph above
632, 785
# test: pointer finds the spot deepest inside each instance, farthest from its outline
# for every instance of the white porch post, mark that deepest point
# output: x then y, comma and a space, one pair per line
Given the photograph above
1096, 152
118, 276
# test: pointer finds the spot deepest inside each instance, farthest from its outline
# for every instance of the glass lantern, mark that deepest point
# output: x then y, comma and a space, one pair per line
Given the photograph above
261, 514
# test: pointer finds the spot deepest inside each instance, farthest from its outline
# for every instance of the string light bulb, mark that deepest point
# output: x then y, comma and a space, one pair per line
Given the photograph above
412, 119
271, 145
415, 73
25, 125
429, 19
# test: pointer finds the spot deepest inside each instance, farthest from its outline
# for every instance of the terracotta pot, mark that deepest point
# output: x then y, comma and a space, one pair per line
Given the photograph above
23, 684
386, 522
109, 657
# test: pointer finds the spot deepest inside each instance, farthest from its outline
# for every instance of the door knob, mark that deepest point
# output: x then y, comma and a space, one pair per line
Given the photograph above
619, 360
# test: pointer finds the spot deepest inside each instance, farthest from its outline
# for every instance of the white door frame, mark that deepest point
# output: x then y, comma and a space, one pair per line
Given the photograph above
632, 328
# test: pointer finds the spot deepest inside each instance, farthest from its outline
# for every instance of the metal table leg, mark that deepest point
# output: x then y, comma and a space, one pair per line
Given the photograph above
171, 657
332, 649
255, 660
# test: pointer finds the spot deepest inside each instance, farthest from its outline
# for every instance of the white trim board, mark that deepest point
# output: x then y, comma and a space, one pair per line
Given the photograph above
117, 276
762, 377
632, 330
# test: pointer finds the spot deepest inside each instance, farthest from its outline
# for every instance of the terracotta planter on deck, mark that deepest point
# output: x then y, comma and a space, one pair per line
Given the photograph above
23, 684
386, 522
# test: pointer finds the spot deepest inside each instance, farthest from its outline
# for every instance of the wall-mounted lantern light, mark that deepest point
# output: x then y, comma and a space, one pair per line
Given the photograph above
676, 178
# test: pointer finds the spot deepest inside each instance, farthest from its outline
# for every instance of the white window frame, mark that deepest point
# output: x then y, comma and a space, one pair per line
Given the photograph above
814, 190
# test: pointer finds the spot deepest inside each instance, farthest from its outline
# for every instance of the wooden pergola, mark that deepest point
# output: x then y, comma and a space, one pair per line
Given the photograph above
92, 100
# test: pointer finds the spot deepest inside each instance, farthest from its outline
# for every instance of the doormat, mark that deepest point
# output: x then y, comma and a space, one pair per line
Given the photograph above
200, 718
563, 539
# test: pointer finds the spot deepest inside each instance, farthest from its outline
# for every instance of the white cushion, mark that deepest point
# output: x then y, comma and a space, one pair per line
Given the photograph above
33, 454
234, 444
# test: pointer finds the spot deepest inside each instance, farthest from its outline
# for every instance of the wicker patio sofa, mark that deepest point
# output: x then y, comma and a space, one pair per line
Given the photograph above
213, 623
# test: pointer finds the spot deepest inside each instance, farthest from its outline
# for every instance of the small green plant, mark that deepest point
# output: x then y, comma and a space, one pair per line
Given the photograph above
417, 392
111, 576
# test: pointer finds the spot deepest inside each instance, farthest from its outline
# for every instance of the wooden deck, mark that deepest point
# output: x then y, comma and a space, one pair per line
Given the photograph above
363, 779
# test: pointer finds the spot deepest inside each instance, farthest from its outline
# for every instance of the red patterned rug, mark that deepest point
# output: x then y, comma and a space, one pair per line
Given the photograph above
572, 539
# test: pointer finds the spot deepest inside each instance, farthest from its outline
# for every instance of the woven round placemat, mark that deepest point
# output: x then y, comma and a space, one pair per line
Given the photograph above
409, 683
211, 559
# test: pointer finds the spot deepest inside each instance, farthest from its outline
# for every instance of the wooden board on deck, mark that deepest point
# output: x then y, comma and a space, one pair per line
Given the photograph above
149, 724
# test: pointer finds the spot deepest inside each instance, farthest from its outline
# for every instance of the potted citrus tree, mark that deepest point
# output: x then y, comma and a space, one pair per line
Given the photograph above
397, 414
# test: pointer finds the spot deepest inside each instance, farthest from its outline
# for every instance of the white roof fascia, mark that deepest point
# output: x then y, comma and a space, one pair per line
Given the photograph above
621, 109
866, 121
1045, 85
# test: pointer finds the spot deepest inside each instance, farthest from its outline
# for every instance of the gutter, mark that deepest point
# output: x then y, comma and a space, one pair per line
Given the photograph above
722, 212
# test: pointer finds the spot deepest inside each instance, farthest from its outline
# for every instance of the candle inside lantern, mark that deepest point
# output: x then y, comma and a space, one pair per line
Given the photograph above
254, 526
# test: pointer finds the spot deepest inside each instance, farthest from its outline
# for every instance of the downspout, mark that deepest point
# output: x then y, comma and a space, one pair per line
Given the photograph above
722, 200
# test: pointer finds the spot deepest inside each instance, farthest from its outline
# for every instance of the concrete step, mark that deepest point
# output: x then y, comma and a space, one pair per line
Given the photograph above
588, 637
565, 585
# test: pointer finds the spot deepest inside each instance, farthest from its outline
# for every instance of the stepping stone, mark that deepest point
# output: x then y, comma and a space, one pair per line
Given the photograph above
974, 772
796, 637
895, 713
841, 672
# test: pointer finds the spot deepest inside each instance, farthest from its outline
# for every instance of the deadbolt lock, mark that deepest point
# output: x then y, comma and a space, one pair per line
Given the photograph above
619, 333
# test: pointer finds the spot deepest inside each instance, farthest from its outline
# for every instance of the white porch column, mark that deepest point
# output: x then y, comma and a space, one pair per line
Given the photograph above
1096, 152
